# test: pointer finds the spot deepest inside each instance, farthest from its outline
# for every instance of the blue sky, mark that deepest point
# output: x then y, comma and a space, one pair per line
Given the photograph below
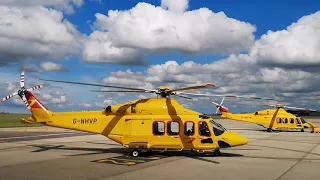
264, 16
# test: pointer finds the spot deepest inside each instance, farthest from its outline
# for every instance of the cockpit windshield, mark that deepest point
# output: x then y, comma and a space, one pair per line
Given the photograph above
302, 120
218, 129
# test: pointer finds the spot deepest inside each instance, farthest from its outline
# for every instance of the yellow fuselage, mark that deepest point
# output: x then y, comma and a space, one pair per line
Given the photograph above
145, 124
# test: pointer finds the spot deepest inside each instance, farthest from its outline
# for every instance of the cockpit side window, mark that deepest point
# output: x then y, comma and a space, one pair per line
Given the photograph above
218, 129
204, 129
298, 121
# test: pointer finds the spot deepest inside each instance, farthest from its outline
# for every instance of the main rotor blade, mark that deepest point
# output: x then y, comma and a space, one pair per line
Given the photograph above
299, 108
89, 84
193, 87
183, 96
120, 91
289, 107
22, 79
9, 96
268, 105
36, 87
225, 96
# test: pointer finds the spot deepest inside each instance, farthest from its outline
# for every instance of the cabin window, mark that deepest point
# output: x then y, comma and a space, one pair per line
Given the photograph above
291, 120
158, 128
278, 120
133, 108
285, 120
189, 128
298, 121
204, 129
173, 128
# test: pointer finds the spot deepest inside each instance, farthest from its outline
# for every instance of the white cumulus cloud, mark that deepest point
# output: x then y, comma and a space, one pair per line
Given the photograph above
128, 36
154, 28
98, 48
35, 33
298, 45
64, 5
50, 66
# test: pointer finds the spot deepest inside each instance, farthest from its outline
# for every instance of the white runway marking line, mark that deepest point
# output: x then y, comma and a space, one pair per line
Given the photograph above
43, 135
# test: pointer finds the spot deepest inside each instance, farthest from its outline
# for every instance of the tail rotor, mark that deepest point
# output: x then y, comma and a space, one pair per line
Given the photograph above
220, 107
22, 91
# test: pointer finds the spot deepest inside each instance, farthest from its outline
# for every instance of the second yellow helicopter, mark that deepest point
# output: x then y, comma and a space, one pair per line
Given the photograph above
271, 119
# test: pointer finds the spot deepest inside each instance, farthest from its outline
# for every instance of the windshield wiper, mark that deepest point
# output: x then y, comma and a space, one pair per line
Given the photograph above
219, 125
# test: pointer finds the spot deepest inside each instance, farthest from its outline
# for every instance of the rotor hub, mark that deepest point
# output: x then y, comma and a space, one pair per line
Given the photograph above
164, 92
21, 92
279, 106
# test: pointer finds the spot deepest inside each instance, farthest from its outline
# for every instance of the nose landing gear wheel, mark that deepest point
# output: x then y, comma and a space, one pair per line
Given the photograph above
135, 153
216, 153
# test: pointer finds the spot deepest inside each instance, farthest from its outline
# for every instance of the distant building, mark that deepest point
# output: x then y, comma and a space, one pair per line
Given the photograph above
2, 112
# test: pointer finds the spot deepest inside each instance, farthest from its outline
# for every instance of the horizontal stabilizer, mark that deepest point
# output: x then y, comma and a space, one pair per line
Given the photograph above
28, 120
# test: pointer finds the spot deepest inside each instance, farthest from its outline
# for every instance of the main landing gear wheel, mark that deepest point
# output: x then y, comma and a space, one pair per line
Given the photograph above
269, 130
135, 153
302, 130
217, 153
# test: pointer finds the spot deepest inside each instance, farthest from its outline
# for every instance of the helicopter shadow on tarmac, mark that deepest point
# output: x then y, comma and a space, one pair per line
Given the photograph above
126, 152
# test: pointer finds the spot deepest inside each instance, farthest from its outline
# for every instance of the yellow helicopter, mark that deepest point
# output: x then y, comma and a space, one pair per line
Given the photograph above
142, 125
272, 119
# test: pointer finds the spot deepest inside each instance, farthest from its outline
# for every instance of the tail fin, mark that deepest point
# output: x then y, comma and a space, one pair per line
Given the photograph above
39, 111
222, 109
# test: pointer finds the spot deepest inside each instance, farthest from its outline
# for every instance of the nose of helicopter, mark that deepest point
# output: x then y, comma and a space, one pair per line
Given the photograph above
239, 141
233, 139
